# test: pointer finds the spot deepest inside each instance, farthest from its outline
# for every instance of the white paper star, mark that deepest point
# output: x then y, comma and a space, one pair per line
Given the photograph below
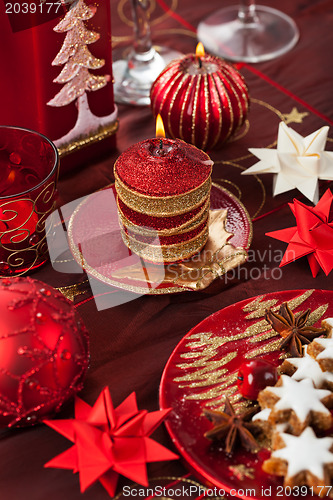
306, 453
298, 162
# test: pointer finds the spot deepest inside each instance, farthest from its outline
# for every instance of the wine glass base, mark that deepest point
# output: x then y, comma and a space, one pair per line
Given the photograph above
271, 34
134, 74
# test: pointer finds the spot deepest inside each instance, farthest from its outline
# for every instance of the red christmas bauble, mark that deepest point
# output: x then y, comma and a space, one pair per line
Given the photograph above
43, 351
254, 376
202, 100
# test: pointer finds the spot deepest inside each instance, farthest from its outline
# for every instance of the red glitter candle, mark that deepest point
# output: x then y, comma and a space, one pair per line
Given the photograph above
29, 170
163, 187
202, 99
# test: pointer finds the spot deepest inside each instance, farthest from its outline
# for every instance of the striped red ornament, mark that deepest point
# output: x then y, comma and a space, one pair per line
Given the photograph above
203, 100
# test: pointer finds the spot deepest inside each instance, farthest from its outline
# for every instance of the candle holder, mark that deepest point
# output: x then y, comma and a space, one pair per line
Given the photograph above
29, 165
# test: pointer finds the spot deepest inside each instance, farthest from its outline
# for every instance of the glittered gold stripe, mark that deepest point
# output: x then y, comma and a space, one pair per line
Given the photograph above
102, 133
259, 308
166, 253
191, 224
269, 347
208, 366
260, 305
159, 206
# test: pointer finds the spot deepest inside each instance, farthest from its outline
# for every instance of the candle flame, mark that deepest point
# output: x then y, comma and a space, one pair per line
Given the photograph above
160, 132
200, 51
11, 176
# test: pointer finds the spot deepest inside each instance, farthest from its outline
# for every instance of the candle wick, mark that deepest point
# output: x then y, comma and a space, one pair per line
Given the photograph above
200, 62
161, 144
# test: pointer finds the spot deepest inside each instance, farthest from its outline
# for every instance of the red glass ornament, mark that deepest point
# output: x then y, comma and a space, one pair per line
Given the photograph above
254, 376
43, 351
202, 100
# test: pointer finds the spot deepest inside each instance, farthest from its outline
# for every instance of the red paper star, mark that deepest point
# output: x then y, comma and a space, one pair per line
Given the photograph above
313, 235
110, 441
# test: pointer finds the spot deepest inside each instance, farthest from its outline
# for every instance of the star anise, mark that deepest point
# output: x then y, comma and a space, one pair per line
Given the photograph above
231, 427
293, 329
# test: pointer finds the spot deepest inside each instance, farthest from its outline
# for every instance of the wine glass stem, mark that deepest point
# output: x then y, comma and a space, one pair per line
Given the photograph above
247, 11
142, 35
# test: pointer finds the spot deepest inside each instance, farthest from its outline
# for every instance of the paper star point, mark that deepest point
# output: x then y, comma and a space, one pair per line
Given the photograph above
312, 236
297, 162
110, 441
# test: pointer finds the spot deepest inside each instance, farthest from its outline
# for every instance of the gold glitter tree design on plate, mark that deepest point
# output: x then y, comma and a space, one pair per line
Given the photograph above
76, 75
205, 375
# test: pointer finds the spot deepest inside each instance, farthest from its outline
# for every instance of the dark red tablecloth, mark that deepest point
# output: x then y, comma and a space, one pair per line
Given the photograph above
130, 343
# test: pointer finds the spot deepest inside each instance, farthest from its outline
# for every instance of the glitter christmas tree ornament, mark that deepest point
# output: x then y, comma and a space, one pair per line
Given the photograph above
43, 351
77, 75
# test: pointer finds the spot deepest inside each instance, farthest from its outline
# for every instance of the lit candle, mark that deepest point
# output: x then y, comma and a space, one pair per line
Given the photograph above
163, 193
164, 146
201, 98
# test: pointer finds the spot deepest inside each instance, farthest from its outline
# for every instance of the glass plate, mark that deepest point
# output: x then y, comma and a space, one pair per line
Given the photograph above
105, 256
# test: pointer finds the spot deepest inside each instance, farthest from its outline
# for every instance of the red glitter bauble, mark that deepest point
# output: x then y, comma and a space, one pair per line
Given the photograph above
43, 351
203, 101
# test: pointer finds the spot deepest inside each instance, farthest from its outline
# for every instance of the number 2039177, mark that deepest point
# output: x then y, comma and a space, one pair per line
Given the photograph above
33, 8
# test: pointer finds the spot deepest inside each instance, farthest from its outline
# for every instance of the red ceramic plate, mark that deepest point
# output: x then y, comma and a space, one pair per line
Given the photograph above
96, 243
202, 370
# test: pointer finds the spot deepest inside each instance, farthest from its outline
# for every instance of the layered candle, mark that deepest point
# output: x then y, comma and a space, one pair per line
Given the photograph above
202, 99
28, 174
163, 191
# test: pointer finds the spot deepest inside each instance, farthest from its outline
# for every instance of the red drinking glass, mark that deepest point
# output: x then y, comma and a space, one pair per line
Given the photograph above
29, 165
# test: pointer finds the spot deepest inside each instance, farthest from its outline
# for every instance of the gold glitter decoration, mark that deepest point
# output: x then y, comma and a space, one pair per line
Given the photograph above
102, 133
211, 394
203, 368
270, 347
166, 253
240, 471
191, 224
76, 56
162, 206
73, 291
258, 307
316, 315
209, 372
297, 301
264, 336
294, 116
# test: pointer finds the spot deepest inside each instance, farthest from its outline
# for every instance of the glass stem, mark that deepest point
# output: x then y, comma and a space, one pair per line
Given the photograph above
142, 35
247, 11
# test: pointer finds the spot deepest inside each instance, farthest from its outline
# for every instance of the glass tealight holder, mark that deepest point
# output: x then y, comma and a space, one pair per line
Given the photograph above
29, 166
